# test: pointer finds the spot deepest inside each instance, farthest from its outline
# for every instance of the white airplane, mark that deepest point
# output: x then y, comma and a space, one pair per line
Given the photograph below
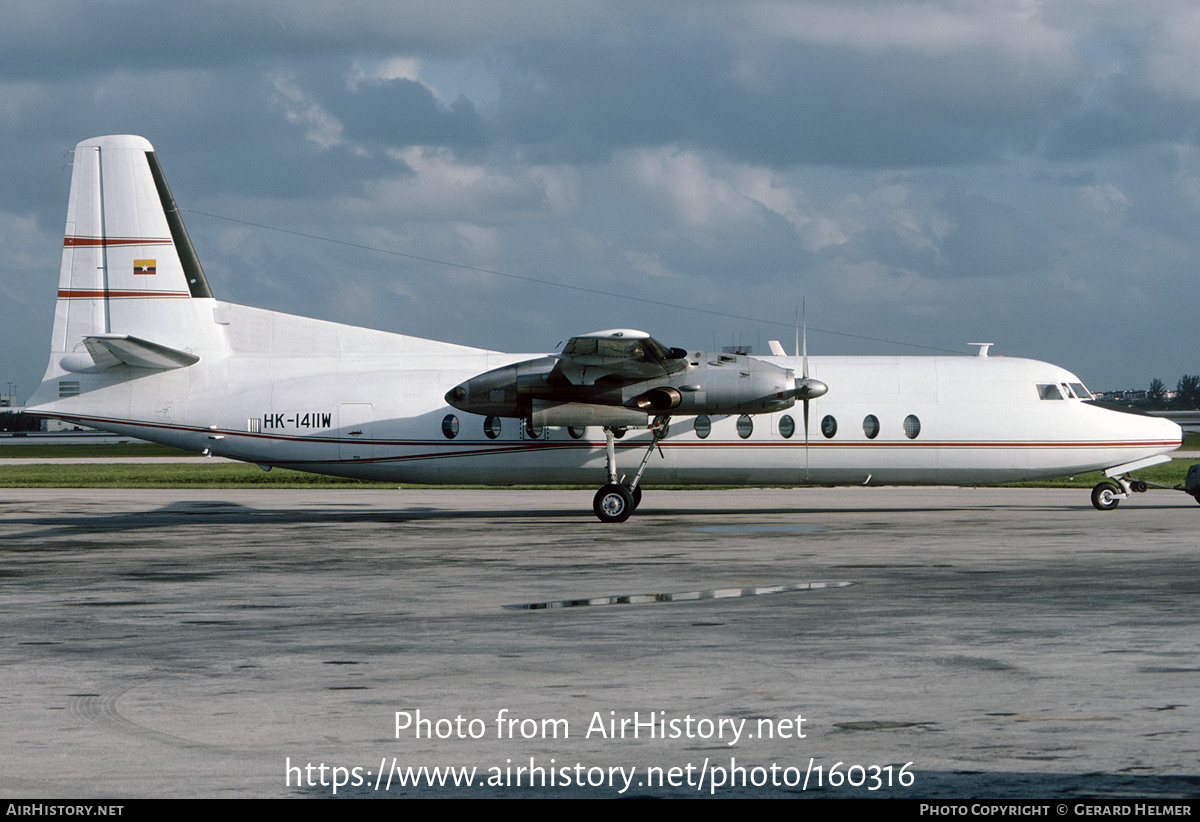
142, 348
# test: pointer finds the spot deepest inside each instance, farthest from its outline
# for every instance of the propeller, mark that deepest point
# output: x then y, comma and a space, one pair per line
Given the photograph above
806, 387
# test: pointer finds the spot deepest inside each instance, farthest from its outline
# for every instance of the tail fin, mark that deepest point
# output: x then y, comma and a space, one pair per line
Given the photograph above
128, 266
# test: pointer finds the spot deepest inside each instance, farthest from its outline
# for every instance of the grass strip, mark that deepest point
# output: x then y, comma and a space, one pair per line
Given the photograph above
171, 475
237, 475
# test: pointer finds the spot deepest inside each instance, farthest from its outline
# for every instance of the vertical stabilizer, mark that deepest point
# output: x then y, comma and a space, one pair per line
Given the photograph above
128, 267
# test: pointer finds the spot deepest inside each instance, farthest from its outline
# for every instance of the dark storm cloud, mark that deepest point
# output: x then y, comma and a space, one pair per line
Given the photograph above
403, 112
651, 80
62, 38
1127, 116
992, 239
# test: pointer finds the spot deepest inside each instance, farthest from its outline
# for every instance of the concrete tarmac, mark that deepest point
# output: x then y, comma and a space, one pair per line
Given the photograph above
995, 643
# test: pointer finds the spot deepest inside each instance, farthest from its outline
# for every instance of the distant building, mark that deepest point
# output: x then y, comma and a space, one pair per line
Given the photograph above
1131, 395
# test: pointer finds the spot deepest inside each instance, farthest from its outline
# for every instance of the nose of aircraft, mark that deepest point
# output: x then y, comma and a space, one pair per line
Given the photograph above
1158, 434
1170, 430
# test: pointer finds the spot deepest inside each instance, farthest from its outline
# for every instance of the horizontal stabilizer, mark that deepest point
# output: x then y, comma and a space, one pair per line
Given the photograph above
109, 350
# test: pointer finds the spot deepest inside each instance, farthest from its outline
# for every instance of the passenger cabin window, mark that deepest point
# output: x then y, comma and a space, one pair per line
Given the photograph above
450, 426
491, 427
912, 427
702, 426
828, 426
533, 432
576, 433
871, 426
745, 426
787, 426
1049, 391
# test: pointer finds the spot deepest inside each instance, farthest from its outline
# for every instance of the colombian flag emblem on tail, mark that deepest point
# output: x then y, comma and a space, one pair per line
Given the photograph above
143, 266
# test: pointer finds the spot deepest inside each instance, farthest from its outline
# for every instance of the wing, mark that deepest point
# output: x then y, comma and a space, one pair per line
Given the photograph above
622, 353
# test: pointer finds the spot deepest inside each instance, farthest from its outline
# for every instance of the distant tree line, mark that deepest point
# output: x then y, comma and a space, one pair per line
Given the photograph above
1187, 394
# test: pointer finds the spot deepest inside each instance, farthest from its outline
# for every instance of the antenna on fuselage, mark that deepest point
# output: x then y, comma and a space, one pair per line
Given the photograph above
983, 349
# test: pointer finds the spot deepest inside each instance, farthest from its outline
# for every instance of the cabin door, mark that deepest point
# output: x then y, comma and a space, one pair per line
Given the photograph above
354, 431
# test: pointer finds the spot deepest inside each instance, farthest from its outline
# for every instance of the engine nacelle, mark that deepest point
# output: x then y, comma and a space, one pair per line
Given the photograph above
735, 384
507, 391
707, 384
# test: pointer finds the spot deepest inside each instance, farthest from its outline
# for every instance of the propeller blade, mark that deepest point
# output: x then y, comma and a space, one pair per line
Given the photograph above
806, 387
804, 355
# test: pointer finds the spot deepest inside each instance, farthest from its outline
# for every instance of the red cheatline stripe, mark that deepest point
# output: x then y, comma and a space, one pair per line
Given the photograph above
107, 241
465, 449
77, 294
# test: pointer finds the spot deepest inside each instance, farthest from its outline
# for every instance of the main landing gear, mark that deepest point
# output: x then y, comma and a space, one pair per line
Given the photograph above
616, 501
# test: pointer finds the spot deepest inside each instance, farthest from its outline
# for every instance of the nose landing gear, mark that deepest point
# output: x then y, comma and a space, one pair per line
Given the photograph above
1107, 494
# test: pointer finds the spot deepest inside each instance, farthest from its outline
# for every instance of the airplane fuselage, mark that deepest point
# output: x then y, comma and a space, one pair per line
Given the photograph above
353, 402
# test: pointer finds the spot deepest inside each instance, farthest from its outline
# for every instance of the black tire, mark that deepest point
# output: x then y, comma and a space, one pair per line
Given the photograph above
637, 497
613, 503
1102, 496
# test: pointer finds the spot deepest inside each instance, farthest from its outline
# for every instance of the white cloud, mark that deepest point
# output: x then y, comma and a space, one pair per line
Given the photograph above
1107, 204
1172, 59
684, 181
391, 68
320, 127
818, 230
399, 68
444, 186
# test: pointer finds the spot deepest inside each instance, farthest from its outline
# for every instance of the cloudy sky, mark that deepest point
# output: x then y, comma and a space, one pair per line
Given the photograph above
507, 174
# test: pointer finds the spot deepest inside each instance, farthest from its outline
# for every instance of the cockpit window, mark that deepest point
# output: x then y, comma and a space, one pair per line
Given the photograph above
1063, 391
